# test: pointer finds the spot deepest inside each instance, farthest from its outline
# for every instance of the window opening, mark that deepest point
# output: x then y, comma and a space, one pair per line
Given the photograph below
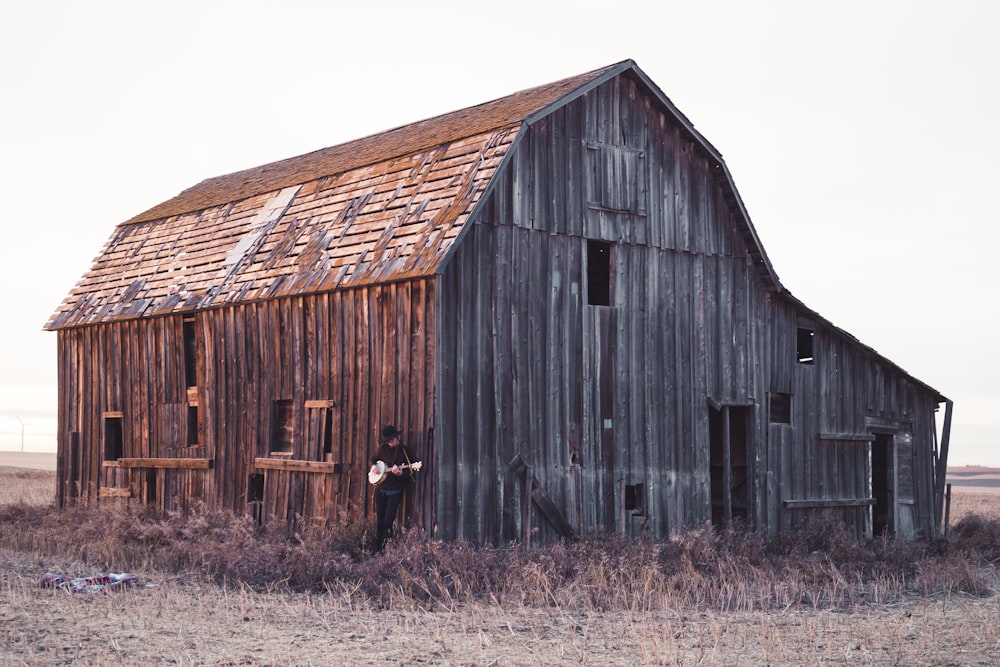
883, 486
255, 488
282, 427
190, 353
633, 498
151, 496
804, 345
328, 436
575, 459
255, 496
113, 441
319, 430
781, 408
729, 435
598, 273
192, 425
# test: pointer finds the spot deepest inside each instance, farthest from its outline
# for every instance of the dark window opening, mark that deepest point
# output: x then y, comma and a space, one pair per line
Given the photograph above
190, 353
574, 455
113, 441
729, 435
282, 427
328, 436
633, 498
781, 408
804, 345
883, 485
598, 273
255, 488
150, 490
192, 425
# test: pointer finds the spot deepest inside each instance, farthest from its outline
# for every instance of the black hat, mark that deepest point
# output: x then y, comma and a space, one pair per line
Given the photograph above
389, 432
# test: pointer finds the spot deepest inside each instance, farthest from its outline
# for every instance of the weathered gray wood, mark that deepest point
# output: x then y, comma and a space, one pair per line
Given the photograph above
727, 466
540, 498
828, 502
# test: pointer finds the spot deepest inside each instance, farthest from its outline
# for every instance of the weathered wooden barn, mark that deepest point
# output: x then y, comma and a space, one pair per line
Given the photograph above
558, 296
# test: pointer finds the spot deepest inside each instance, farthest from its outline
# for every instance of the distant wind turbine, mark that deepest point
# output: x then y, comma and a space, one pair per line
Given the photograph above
22, 431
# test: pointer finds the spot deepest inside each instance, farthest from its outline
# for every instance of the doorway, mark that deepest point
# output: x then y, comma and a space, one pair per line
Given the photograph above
883, 485
729, 436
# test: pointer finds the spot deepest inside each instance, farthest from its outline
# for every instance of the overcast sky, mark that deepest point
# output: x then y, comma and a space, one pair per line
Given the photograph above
862, 137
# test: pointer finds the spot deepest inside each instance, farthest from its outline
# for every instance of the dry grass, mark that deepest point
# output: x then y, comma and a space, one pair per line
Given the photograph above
25, 485
973, 500
228, 594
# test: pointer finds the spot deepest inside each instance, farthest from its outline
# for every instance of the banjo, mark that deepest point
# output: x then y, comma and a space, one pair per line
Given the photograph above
376, 477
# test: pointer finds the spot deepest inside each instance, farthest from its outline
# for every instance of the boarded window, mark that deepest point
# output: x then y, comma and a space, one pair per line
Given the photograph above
319, 422
617, 178
598, 273
282, 427
113, 439
781, 408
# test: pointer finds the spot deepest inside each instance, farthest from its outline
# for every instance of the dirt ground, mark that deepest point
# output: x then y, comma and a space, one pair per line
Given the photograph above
173, 621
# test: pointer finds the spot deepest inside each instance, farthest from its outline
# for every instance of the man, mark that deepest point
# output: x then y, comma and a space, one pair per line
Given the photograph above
389, 491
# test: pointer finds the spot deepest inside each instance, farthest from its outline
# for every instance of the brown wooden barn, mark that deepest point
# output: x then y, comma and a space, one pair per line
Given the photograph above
558, 296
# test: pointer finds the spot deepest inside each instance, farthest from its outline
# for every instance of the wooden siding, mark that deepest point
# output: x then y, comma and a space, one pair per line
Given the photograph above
594, 398
604, 401
366, 356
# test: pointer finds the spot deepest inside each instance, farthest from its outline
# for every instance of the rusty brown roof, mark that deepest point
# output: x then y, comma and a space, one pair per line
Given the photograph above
385, 207
404, 140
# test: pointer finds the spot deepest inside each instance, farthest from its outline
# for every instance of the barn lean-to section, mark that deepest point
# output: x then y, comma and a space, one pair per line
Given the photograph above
558, 296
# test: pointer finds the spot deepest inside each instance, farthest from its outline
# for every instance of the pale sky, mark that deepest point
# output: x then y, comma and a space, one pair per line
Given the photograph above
862, 136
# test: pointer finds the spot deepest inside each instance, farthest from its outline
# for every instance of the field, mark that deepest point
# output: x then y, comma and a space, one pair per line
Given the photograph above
616, 607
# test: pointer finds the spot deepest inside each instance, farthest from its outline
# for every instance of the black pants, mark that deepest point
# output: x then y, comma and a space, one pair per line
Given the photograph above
386, 507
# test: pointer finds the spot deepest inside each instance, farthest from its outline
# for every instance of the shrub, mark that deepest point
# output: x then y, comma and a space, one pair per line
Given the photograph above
978, 538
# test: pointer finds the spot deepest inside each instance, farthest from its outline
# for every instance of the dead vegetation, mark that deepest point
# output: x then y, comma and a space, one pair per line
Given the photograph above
819, 567
701, 598
28, 486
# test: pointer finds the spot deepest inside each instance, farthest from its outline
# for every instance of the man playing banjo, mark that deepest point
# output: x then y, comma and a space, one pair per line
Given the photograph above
391, 471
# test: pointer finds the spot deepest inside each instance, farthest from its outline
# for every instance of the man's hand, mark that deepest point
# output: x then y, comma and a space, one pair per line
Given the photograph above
396, 470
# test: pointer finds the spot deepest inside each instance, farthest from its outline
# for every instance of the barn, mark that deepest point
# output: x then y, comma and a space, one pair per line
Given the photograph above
559, 298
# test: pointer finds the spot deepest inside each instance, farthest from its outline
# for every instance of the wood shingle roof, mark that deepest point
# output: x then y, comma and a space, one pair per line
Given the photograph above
384, 207
405, 140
